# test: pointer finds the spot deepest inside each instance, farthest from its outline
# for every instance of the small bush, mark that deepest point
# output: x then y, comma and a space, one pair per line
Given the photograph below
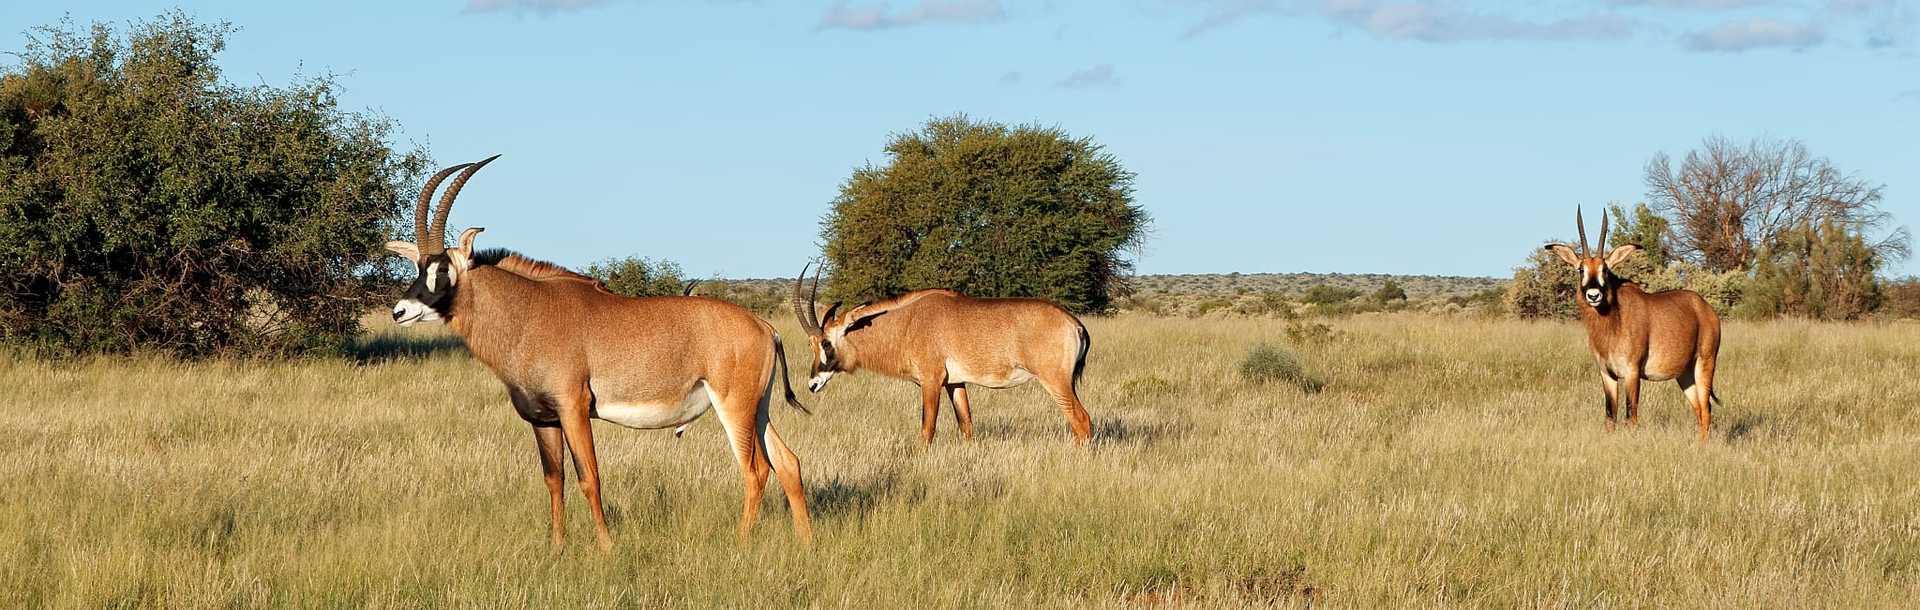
1902, 299
638, 277
1322, 294
1209, 306
1311, 333
1147, 386
1268, 363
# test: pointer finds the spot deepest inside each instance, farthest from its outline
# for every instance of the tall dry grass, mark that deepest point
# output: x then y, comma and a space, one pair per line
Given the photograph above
1446, 462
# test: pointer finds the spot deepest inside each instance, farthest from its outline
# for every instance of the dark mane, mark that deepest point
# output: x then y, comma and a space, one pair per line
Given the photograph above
513, 262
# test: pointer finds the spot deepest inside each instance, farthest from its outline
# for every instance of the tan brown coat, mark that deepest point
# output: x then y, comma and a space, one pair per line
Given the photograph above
1635, 335
944, 341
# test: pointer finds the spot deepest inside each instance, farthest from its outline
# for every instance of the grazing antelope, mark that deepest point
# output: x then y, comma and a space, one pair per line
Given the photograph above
944, 340
570, 351
1637, 335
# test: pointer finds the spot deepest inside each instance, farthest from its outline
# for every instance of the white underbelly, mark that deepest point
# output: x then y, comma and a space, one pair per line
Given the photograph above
1004, 379
656, 415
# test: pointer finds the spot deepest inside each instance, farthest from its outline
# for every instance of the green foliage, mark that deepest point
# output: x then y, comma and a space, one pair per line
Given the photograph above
1312, 334
1390, 292
1645, 228
1901, 298
1269, 363
639, 277
1322, 294
1822, 271
989, 210
1543, 288
147, 204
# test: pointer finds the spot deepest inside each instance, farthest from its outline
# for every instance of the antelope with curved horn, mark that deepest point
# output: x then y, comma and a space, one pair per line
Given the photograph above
569, 352
943, 340
1637, 335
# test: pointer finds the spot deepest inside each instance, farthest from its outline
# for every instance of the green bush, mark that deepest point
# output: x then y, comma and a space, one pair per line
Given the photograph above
148, 204
989, 210
1311, 334
639, 277
1823, 271
1270, 364
1322, 294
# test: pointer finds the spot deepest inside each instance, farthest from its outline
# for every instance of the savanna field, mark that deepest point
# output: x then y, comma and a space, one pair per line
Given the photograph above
1447, 461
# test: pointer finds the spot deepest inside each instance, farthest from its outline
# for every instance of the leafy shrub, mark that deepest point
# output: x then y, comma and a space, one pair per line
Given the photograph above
990, 210
1146, 387
1901, 298
1269, 363
1390, 292
639, 277
1823, 271
1312, 334
148, 204
1208, 306
1322, 294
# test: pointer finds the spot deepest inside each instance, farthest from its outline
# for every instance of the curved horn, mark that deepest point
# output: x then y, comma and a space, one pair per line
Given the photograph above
803, 306
1580, 220
688, 291
1600, 248
426, 196
439, 227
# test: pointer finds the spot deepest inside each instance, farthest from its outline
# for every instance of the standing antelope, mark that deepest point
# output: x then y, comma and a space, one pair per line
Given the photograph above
1638, 335
941, 339
569, 351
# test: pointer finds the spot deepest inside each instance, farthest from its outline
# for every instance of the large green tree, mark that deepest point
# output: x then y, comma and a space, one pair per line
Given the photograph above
987, 209
147, 204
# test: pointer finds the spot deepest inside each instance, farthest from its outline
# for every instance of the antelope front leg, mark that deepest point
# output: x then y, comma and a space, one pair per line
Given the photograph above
553, 447
579, 436
929, 409
1630, 394
1611, 388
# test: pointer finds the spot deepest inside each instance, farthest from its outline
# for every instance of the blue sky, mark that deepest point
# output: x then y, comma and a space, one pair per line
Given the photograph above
1392, 136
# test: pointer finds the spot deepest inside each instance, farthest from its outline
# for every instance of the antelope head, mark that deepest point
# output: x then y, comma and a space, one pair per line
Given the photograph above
437, 268
821, 340
1597, 281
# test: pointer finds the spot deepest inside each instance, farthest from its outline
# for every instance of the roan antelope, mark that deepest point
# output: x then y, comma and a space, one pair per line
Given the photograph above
1637, 335
944, 340
570, 351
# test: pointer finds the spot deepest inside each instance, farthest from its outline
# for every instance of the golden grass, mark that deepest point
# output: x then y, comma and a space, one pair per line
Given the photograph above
1448, 462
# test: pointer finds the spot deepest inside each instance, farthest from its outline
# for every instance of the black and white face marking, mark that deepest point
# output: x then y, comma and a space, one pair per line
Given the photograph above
824, 365
431, 293
1593, 282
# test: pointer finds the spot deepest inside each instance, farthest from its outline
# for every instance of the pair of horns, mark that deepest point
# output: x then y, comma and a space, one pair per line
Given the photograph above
1580, 221
803, 305
432, 238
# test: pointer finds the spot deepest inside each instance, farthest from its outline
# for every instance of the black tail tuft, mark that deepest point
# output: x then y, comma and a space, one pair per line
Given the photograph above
1080, 361
780, 360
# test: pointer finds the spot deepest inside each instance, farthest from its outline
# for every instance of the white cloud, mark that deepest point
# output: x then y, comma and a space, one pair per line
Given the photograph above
1699, 5
1756, 33
1097, 76
843, 15
1421, 21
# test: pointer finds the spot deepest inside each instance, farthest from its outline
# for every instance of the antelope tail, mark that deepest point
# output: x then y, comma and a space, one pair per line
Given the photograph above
780, 359
1080, 361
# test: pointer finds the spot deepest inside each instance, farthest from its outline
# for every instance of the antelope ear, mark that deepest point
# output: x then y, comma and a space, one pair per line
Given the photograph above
406, 249
466, 238
1621, 254
462, 256
1566, 253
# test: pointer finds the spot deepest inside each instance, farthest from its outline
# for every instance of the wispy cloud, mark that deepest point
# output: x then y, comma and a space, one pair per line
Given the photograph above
545, 7
1756, 33
843, 15
1445, 23
1420, 21
1698, 5
1910, 95
1858, 6
1011, 78
1097, 76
